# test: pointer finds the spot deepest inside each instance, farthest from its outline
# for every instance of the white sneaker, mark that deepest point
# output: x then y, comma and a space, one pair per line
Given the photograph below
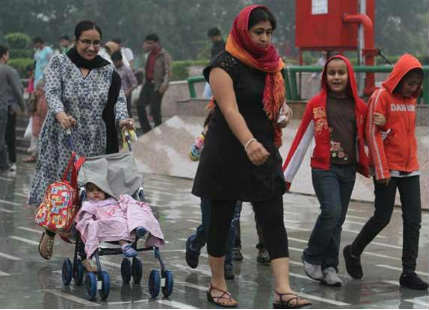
12, 167
312, 271
331, 278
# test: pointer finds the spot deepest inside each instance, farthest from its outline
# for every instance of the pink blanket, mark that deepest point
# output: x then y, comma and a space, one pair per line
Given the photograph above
114, 220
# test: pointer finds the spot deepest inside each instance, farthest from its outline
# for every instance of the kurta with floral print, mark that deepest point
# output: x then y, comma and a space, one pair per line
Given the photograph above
84, 98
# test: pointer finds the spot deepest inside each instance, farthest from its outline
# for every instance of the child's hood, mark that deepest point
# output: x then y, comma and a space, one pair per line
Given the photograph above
405, 64
351, 77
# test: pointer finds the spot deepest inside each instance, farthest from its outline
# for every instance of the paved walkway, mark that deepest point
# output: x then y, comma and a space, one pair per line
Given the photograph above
28, 281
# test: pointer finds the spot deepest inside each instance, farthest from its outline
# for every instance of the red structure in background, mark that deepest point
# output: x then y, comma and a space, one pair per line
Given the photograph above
332, 25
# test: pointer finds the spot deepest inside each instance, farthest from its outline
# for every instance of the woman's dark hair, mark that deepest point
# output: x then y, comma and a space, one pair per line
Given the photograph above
84, 26
261, 14
3, 50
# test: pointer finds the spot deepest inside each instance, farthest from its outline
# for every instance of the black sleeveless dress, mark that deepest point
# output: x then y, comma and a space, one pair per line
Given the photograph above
224, 171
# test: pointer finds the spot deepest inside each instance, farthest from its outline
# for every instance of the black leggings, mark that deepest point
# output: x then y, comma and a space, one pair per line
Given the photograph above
269, 215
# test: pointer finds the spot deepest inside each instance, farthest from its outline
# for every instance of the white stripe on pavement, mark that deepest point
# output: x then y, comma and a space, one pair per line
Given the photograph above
325, 300
387, 245
39, 231
11, 203
204, 272
11, 257
24, 240
418, 302
71, 298
197, 287
358, 231
4, 274
400, 269
6, 210
174, 304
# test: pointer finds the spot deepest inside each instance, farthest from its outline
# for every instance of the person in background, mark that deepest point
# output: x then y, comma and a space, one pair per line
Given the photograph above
65, 44
126, 52
38, 109
218, 45
157, 77
42, 56
11, 90
128, 79
393, 151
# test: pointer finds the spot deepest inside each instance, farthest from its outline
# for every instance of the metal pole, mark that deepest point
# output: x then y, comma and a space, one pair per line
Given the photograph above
361, 44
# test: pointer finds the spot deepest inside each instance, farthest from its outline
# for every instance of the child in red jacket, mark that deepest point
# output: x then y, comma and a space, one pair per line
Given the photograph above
335, 119
393, 151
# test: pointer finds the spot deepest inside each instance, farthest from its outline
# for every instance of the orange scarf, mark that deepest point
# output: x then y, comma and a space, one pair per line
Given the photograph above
267, 60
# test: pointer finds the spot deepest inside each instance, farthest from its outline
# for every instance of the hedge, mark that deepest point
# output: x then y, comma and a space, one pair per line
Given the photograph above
21, 65
21, 53
180, 68
17, 40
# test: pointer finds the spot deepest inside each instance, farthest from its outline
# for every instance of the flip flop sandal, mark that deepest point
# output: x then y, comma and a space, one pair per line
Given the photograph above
225, 295
291, 303
47, 250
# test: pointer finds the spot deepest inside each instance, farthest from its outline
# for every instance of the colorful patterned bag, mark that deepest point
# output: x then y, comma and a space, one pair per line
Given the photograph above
60, 203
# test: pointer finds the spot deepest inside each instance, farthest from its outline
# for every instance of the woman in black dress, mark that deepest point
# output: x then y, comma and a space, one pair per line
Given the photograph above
240, 160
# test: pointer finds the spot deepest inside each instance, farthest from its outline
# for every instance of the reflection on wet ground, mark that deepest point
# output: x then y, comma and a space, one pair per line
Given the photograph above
28, 281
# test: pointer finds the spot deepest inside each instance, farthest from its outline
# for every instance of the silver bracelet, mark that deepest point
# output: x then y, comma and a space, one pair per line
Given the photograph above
248, 143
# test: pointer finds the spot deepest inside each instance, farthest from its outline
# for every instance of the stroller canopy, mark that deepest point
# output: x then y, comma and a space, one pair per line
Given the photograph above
115, 174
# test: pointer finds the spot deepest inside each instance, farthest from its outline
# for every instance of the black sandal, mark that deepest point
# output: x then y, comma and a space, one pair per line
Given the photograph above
287, 304
225, 295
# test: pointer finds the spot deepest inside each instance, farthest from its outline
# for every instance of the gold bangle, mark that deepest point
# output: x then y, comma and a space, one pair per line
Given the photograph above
248, 143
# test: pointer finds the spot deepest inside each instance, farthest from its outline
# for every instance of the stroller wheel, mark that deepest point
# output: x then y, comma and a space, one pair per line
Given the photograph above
154, 283
67, 271
137, 270
91, 285
78, 273
167, 289
105, 285
126, 271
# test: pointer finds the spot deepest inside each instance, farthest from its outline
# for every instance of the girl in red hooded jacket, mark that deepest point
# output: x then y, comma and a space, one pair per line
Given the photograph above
335, 119
393, 151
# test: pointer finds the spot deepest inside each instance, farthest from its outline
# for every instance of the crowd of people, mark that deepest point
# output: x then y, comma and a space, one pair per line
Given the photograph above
82, 97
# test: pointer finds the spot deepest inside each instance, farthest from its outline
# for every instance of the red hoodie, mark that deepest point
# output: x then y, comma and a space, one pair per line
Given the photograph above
398, 151
315, 124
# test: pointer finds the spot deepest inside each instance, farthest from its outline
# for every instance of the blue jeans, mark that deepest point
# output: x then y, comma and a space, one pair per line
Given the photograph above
333, 190
199, 238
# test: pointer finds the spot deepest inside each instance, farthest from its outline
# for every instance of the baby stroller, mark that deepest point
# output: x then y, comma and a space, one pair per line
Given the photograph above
120, 174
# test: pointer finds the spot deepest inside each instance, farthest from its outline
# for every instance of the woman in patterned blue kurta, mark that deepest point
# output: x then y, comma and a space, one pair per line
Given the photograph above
83, 95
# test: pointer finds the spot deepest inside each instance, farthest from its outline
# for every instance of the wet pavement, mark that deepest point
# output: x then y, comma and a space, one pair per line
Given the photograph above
28, 281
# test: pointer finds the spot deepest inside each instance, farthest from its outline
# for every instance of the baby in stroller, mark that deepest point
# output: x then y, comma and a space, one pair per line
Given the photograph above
104, 218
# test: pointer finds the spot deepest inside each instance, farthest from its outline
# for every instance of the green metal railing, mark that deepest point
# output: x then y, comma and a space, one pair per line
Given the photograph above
292, 86
292, 71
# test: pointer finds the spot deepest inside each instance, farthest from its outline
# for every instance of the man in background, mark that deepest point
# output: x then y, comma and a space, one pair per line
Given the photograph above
218, 46
10, 100
157, 76
128, 80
